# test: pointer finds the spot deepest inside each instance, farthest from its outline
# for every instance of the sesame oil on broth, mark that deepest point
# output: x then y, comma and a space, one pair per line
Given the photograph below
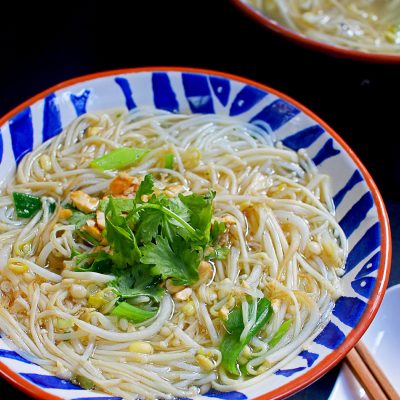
157, 255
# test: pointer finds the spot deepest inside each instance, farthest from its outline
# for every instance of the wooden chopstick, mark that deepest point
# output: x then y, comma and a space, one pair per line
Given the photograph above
369, 374
379, 375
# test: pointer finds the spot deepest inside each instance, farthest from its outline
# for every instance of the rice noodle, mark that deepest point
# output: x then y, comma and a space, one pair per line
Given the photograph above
284, 242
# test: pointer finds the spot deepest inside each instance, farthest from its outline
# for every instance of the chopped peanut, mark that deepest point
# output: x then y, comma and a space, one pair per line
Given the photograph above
84, 202
172, 288
100, 219
183, 295
122, 183
173, 191
205, 271
90, 222
92, 231
276, 304
65, 213
228, 219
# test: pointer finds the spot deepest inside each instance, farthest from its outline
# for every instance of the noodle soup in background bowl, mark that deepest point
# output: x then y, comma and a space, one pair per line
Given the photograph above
297, 36
359, 207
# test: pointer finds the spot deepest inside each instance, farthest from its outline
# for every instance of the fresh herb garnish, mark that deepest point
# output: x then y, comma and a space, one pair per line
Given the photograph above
231, 344
78, 218
138, 281
132, 313
280, 333
119, 158
178, 260
28, 205
169, 161
153, 238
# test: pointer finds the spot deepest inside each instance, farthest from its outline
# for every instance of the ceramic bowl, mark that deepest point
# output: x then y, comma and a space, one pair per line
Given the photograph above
307, 41
360, 209
382, 338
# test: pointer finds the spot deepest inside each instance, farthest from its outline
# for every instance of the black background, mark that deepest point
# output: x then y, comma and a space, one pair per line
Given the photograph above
44, 44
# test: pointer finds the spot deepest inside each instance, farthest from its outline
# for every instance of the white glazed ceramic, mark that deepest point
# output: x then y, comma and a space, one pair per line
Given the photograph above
383, 340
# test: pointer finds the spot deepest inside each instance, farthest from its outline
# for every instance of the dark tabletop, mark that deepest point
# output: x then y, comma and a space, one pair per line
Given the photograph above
42, 45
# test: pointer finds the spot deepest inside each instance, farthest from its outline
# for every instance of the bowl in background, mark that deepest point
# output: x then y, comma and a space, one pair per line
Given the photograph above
359, 206
306, 41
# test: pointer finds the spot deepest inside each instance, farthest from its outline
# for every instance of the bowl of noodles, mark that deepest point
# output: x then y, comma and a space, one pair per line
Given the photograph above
364, 30
180, 233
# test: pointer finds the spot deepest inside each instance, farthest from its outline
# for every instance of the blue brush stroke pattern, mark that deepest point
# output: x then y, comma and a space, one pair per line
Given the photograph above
357, 213
326, 152
198, 93
13, 355
355, 178
304, 138
309, 357
331, 337
221, 88
1, 147
79, 101
276, 114
123, 83
247, 98
368, 243
225, 395
289, 372
50, 382
201, 92
349, 310
364, 286
51, 117
370, 266
163, 94
21, 131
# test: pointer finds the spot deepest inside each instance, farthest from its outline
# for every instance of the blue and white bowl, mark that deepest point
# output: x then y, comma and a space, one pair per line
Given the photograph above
360, 208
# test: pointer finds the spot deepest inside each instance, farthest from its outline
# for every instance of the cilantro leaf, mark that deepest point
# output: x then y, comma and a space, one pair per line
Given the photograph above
120, 205
200, 208
78, 218
132, 313
148, 226
138, 281
180, 263
96, 262
146, 187
120, 237
218, 253
217, 228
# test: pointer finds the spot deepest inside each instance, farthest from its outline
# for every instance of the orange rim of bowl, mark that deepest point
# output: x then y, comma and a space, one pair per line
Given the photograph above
374, 301
312, 43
